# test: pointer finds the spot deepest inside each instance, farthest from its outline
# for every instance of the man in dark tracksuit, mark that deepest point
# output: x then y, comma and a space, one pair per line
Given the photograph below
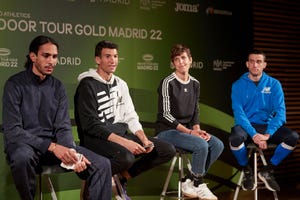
37, 129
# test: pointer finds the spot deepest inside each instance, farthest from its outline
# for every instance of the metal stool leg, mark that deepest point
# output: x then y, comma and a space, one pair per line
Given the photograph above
182, 157
119, 186
238, 186
51, 188
255, 175
180, 175
163, 193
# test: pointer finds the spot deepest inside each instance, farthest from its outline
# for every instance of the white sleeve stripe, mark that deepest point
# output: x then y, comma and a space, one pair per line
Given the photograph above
166, 99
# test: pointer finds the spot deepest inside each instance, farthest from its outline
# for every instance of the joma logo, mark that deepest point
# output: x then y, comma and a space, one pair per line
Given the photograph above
187, 7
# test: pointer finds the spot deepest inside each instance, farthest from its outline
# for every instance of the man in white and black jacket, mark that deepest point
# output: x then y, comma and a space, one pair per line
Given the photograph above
104, 112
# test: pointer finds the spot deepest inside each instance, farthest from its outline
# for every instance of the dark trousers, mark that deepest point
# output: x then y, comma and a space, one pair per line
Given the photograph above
24, 162
283, 134
122, 159
285, 139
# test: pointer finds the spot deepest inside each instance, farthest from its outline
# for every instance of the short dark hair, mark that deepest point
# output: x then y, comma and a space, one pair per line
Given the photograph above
178, 49
258, 52
35, 45
104, 44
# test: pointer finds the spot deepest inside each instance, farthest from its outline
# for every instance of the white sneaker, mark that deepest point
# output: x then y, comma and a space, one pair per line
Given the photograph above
204, 193
188, 189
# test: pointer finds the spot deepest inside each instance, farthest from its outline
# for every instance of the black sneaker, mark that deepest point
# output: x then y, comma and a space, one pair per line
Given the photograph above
248, 179
269, 180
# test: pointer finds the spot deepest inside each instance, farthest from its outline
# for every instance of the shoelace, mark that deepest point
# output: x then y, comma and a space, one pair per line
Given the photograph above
268, 175
203, 190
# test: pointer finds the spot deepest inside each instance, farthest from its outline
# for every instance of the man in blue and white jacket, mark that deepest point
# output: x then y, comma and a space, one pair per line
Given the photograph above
260, 115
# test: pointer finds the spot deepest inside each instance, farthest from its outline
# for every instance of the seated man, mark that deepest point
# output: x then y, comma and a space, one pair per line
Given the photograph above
37, 129
178, 123
259, 113
104, 112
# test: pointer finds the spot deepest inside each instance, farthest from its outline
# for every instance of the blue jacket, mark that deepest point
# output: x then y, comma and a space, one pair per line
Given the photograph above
259, 104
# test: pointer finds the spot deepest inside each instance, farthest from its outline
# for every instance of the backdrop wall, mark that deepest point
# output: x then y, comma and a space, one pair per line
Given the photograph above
145, 31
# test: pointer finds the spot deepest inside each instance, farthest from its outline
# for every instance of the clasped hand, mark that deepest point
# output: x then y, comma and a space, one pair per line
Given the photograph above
68, 157
201, 133
261, 140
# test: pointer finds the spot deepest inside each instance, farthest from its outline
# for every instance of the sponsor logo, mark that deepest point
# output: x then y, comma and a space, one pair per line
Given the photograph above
6, 60
4, 52
213, 11
147, 57
151, 4
118, 2
145, 3
147, 63
220, 65
14, 14
184, 7
266, 90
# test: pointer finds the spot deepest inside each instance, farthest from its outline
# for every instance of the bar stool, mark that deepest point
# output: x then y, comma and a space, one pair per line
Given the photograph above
182, 157
54, 169
253, 149
46, 172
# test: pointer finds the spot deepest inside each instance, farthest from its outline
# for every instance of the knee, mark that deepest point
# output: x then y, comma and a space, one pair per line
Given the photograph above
104, 166
295, 135
170, 151
219, 145
125, 160
20, 158
200, 147
235, 140
237, 136
292, 139
164, 149
103, 163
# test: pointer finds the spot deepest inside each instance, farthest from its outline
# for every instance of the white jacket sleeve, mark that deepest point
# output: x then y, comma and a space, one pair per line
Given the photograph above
125, 111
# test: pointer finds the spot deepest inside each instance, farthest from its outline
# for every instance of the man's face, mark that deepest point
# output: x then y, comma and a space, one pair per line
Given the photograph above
45, 60
182, 62
256, 64
108, 60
